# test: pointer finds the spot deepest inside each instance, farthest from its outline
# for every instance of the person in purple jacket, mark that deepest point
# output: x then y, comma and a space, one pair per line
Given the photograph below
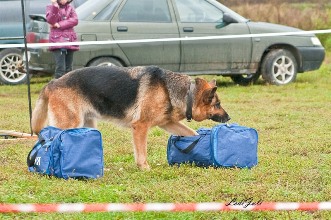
62, 19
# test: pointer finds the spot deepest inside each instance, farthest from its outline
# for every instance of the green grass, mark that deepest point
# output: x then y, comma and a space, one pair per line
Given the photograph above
294, 126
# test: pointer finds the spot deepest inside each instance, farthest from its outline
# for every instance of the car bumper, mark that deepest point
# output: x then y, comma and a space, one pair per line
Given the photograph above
40, 62
41, 68
311, 57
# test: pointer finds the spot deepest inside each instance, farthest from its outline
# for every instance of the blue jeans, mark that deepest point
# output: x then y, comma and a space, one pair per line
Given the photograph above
63, 62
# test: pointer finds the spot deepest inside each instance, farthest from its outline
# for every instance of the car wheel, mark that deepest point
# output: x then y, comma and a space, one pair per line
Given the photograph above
105, 61
279, 67
9, 60
245, 80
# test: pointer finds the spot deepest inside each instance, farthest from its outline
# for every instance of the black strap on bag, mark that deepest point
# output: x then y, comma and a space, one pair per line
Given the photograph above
189, 148
30, 159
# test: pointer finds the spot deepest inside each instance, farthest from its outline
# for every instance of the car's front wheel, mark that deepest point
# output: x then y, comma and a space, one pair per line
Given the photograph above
9, 61
105, 61
279, 67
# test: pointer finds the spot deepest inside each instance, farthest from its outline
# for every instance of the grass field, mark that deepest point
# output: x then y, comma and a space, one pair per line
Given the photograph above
294, 126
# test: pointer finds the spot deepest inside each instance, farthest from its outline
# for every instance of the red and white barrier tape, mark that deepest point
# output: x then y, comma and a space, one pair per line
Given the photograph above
163, 207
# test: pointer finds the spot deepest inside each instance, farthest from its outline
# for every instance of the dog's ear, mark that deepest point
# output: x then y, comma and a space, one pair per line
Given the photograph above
213, 83
208, 95
199, 81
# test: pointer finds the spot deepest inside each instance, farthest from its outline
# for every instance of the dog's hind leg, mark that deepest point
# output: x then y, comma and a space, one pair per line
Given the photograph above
65, 109
39, 115
65, 120
177, 128
139, 132
90, 122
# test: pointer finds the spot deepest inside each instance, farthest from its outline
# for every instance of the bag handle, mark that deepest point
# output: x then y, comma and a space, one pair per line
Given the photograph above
30, 159
189, 148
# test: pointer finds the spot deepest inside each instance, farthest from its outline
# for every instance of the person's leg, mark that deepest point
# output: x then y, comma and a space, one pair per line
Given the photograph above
69, 60
59, 57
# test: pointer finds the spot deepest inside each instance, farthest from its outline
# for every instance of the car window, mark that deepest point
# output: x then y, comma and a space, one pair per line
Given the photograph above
77, 3
198, 11
107, 12
90, 9
145, 11
11, 11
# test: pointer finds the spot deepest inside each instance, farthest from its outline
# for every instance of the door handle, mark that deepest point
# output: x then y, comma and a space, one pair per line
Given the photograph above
122, 28
188, 29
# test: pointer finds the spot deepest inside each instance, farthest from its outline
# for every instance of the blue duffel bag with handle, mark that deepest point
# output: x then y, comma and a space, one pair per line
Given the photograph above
224, 145
70, 153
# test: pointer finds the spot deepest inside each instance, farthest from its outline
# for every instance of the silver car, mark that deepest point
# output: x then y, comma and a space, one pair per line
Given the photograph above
277, 58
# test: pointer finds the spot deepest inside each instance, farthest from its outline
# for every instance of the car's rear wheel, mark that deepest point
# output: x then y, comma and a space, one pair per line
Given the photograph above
9, 61
245, 80
105, 61
279, 67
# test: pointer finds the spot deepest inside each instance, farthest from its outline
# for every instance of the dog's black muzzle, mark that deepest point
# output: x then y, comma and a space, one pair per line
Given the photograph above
220, 118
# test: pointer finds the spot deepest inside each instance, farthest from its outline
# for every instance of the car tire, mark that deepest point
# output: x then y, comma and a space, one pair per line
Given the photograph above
279, 67
9, 60
245, 80
105, 61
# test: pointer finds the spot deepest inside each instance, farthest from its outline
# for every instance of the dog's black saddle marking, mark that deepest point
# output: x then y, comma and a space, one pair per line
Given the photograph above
110, 90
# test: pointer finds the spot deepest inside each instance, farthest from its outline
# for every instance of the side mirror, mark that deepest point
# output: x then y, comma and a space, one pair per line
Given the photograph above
228, 19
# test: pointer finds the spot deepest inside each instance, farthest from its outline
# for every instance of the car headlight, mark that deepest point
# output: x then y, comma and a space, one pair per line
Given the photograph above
315, 41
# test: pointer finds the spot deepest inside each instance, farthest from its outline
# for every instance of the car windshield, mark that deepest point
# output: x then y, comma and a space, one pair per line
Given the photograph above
100, 11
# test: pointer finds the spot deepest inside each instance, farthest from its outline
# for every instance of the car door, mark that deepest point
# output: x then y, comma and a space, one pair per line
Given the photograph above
200, 18
147, 19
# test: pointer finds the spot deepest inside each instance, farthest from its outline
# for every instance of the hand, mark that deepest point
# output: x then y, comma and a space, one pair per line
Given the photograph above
54, 2
56, 25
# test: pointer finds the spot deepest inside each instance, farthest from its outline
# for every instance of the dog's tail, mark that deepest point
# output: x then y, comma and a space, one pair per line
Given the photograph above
39, 114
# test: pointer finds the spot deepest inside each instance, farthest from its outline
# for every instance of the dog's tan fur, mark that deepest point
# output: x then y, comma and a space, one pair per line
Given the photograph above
157, 102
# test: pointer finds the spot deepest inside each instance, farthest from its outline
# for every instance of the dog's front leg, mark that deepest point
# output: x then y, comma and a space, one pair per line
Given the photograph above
139, 132
177, 128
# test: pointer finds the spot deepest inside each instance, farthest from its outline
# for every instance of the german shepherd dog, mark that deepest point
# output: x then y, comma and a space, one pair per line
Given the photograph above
137, 97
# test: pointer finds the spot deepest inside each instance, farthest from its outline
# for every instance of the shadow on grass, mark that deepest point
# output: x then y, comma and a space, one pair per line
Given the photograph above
227, 82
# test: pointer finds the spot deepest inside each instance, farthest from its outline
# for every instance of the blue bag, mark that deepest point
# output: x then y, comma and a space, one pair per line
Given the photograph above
71, 153
39, 157
222, 146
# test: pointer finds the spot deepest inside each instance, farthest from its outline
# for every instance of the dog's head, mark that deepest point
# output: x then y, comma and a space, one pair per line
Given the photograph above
207, 104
